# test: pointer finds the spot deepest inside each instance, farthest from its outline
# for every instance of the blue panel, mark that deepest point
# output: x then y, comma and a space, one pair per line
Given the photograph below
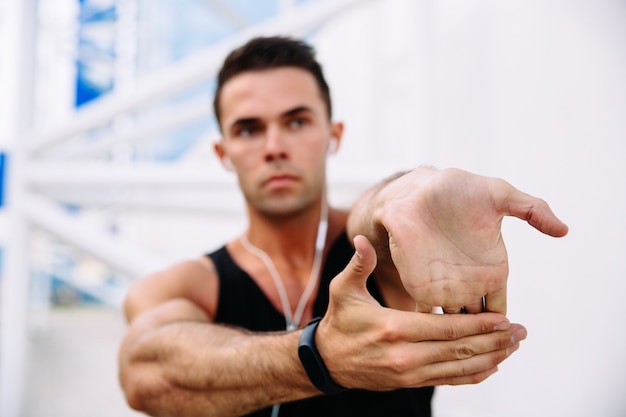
95, 58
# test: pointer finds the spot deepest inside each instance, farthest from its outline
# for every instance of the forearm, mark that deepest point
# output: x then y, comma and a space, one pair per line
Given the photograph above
202, 369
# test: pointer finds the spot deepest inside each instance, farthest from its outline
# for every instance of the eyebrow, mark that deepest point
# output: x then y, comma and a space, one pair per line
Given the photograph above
296, 110
245, 121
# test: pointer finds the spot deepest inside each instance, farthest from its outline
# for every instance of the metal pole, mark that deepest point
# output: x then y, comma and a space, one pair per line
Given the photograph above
19, 20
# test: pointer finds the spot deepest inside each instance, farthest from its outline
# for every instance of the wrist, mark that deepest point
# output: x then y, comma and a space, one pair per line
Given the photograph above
313, 363
384, 197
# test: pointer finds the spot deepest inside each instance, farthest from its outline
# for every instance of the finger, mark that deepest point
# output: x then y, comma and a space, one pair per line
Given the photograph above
417, 327
474, 367
475, 378
496, 301
534, 210
361, 265
477, 307
468, 371
471, 346
453, 310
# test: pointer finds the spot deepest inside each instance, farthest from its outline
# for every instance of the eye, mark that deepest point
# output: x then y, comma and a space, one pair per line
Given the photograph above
246, 131
297, 123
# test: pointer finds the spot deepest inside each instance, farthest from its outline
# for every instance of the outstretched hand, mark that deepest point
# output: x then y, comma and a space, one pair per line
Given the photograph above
365, 345
445, 240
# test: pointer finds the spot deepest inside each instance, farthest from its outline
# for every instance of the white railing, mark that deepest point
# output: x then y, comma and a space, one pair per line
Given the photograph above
47, 165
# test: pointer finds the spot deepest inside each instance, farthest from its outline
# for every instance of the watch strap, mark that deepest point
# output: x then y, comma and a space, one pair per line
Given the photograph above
312, 361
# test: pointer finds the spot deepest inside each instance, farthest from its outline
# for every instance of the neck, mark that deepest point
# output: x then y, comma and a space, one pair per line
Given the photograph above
293, 316
288, 239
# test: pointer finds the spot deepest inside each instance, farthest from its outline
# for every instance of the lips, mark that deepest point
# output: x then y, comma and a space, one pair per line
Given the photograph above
280, 180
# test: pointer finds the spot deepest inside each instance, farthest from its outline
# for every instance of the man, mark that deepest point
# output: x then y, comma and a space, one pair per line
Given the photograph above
223, 335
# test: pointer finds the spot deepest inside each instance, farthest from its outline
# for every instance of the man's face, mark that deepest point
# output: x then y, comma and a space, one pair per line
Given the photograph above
276, 133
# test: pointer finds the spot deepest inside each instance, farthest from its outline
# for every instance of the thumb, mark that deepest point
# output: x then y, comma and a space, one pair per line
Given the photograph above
535, 211
362, 264
541, 217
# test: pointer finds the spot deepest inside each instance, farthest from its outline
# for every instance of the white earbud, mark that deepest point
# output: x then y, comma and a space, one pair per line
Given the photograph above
332, 146
228, 164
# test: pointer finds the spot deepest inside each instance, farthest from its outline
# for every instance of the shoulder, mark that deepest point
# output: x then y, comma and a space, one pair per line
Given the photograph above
195, 280
337, 221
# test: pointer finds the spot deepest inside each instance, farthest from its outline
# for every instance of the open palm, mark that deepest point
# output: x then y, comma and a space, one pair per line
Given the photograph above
445, 236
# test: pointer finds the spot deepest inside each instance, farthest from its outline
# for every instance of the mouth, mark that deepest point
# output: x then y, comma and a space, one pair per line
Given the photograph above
280, 180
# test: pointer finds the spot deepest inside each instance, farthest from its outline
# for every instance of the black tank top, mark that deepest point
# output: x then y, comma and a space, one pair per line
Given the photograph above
242, 303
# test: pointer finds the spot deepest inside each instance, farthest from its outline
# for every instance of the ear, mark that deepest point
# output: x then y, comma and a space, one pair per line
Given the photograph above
218, 148
336, 133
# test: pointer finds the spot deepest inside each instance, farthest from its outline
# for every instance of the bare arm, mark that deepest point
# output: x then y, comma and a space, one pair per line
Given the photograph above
175, 361
439, 231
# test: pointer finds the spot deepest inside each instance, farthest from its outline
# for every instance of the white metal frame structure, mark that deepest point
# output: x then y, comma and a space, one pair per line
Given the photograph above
46, 166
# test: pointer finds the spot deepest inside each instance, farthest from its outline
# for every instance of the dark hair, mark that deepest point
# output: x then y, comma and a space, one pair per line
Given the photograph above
267, 53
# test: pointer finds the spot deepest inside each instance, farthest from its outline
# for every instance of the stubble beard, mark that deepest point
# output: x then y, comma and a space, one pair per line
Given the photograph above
283, 208
288, 203
285, 205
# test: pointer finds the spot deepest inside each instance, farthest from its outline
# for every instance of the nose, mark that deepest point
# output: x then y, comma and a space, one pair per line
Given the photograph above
275, 147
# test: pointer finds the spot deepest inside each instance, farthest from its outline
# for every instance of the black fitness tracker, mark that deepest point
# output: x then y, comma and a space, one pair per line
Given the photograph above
312, 361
